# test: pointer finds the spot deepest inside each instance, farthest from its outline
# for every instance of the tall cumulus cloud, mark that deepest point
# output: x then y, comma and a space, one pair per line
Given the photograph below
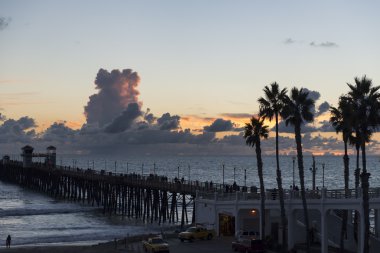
116, 90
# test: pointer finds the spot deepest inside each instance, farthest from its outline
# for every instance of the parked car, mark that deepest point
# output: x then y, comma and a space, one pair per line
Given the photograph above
249, 246
248, 235
155, 245
197, 232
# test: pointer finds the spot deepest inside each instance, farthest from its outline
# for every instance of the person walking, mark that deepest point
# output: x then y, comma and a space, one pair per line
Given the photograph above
8, 241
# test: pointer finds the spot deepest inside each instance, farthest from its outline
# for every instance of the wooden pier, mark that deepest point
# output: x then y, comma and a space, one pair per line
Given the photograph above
151, 198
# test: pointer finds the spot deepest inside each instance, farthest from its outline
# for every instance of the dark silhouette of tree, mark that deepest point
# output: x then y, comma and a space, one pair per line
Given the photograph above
298, 110
270, 107
365, 101
253, 132
342, 120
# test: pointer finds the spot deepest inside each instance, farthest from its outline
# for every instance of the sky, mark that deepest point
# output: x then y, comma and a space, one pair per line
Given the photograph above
196, 67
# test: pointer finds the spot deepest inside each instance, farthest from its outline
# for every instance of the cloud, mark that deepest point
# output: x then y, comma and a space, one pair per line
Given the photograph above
117, 89
327, 44
16, 131
167, 122
289, 41
59, 133
326, 127
4, 22
149, 117
220, 125
315, 95
324, 107
125, 120
236, 115
283, 128
2, 117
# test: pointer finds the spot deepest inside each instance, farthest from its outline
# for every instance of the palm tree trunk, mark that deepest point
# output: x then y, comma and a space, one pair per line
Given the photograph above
262, 189
343, 231
297, 130
281, 195
365, 187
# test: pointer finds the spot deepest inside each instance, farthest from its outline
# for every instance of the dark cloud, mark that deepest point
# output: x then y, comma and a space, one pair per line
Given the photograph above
59, 133
117, 89
315, 95
149, 117
125, 120
15, 131
236, 115
283, 128
327, 44
324, 107
4, 22
326, 127
219, 125
167, 122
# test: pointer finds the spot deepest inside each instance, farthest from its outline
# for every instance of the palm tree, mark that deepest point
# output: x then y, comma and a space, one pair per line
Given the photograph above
270, 107
342, 121
298, 110
365, 101
253, 132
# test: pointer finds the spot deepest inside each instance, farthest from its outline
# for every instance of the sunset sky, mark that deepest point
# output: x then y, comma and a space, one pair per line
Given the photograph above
200, 60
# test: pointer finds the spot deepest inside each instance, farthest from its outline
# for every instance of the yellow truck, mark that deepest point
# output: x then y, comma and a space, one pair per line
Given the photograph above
197, 232
155, 245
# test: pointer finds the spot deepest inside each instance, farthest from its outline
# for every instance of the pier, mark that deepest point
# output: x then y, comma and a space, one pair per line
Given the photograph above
157, 199
151, 198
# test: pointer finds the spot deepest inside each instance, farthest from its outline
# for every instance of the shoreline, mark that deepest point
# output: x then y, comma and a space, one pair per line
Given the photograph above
126, 244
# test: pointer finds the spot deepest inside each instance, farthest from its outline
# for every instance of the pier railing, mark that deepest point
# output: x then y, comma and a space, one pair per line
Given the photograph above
205, 190
290, 194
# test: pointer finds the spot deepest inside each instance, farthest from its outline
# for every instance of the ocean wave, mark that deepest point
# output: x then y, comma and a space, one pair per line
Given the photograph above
29, 212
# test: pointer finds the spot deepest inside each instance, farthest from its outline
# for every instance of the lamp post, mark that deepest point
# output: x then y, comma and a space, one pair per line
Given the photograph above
234, 174
323, 175
294, 160
223, 175
178, 172
245, 177
313, 171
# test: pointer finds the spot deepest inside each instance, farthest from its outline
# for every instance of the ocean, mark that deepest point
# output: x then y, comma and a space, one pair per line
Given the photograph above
33, 218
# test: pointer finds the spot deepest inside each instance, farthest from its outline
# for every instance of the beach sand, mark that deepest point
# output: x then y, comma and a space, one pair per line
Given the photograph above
103, 247
132, 245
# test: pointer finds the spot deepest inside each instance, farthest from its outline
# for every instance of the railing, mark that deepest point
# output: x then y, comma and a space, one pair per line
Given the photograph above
206, 190
291, 194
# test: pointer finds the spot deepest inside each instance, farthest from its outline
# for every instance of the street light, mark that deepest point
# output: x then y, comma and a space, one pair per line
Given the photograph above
245, 177
234, 174
323, 175
294, 160
313, 171
223, 175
